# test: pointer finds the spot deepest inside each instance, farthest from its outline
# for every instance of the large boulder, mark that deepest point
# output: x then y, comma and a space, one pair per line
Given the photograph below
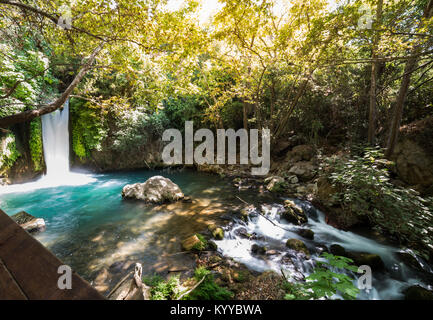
155, 190
413, 164
304, 170
28, 222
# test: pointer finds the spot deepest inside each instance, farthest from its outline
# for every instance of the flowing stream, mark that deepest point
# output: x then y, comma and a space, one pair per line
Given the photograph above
99, 235
267, 228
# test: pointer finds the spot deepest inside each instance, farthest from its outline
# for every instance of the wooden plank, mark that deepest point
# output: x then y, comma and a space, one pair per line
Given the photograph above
9, 289
35, 268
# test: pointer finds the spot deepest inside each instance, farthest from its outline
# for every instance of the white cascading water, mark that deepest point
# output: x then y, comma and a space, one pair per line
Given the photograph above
55, 138
238, 245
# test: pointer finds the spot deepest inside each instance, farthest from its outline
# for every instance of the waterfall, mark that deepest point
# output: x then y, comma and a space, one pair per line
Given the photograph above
55, 137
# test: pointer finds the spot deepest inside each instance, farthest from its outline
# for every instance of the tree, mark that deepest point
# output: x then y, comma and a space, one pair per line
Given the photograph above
100, 32
408, 70
374, 75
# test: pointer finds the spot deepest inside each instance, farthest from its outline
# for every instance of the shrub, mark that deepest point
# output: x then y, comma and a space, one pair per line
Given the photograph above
161, 289
208, 289
364, 188
327, 280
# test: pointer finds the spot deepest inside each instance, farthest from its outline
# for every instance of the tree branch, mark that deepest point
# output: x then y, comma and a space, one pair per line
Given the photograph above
31, 114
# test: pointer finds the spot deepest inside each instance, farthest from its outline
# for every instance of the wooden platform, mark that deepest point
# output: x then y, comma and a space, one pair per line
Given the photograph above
28, 271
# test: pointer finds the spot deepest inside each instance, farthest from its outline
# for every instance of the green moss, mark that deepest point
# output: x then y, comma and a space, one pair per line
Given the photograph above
88, 126
77, 144
35, 143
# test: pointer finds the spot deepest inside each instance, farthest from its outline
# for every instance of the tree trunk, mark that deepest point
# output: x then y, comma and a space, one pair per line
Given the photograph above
399, 105
281, 126
374, 75
245, 115
31, 114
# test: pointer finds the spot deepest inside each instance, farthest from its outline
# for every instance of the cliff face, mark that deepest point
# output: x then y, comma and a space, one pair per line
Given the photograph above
17, 165
107, 159
413, 155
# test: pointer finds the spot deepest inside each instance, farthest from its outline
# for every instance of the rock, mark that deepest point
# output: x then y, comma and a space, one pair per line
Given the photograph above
4, 181
155, 190
272, 252
193, 243
341, 219
275, 184
417, 293
28, 222
413, 164
293, 213
298, 245
217, 232
246, 211
306, 233
212, 245
409, 259
301, 152
359, 258
374, 261
256, 249
304, 170
37, 225
187, 200
337, 250
293, 179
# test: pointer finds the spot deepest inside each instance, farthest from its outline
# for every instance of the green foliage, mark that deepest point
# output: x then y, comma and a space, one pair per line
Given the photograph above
89, 127
327, 280
364, 188
161, 289
208, 289
136, 128
8, 152
24, 74
35, 143
181, 109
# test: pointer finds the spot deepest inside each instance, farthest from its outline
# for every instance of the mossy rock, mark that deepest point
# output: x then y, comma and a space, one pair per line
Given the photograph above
195, 242
293, 213
22, 217
306, 233
417, 293
217, 232
298, 245
256, 249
